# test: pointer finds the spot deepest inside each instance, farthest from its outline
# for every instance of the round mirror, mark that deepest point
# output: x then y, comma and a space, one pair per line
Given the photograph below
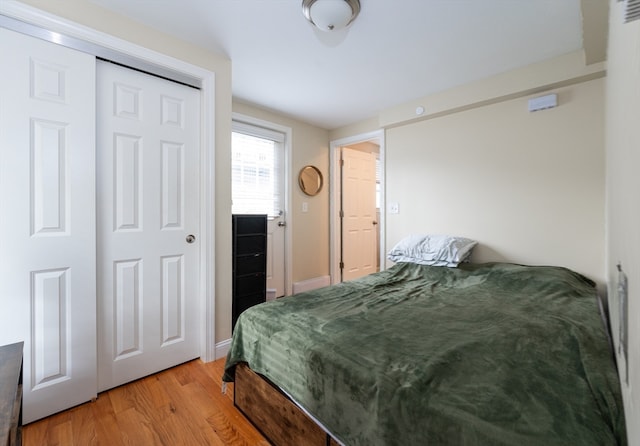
310, 180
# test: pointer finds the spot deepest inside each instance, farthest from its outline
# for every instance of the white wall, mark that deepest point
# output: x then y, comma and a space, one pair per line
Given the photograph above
623, 194
528, 186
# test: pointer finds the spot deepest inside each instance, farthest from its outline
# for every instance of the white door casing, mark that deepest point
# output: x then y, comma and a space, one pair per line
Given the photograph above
148, 206
47, 219
276, 229
359, 231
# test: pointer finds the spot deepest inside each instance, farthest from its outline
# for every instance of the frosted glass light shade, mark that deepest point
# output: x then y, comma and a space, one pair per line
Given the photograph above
330, 15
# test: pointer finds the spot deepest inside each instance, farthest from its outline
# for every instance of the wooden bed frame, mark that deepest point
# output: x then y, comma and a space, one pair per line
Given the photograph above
273, 413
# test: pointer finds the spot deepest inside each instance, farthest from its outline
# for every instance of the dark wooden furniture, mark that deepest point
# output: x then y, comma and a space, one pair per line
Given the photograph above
249, 263
11, 394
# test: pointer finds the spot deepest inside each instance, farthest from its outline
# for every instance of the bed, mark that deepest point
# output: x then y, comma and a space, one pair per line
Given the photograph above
476, 354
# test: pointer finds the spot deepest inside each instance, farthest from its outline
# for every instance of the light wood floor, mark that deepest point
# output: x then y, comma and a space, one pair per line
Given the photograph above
180, 406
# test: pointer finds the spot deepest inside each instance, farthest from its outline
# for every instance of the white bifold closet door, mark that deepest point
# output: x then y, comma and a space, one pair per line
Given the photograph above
148, 220
99, 242
47, 219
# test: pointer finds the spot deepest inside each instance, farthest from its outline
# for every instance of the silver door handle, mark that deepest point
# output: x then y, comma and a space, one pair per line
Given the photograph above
282, 224
191, 238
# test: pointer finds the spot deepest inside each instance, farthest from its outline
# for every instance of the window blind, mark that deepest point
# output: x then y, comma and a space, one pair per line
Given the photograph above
256, 160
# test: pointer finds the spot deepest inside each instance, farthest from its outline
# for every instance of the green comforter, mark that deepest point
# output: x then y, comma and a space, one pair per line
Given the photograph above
489, 354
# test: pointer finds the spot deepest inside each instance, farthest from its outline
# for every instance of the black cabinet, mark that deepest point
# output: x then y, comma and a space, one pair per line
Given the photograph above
249, 263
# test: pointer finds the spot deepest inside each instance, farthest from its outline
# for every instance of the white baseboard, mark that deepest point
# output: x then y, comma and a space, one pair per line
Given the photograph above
311, 284
222, 348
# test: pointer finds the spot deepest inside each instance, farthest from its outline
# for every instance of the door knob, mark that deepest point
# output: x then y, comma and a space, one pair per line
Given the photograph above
374, 222
282, 224
191, 238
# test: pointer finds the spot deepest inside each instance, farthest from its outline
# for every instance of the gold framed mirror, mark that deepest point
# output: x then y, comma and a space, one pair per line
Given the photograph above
310, 180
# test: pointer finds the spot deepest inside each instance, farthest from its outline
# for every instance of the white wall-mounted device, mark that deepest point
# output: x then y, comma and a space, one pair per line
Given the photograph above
631, 10
543, 102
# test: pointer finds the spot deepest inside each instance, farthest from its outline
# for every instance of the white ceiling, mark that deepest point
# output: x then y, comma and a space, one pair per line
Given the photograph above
395, 51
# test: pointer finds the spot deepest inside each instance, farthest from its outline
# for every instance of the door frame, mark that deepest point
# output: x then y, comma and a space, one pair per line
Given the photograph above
288, 229
55, 29
335, 202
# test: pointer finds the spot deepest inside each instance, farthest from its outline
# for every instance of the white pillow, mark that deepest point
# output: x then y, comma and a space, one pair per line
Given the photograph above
436, 250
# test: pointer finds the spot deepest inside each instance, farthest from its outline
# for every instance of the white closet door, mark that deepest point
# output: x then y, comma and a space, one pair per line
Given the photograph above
148, 220
47, 219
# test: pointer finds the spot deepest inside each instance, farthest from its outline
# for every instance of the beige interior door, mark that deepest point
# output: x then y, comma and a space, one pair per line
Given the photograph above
359, 219
47, 219
148, 224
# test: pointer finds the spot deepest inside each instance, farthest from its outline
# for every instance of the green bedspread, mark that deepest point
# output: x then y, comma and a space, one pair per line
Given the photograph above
489, 354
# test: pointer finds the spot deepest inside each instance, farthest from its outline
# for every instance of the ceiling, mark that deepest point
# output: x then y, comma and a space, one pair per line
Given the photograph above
394, 52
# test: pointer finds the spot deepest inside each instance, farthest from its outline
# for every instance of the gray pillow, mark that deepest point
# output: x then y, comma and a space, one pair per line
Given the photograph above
436, 250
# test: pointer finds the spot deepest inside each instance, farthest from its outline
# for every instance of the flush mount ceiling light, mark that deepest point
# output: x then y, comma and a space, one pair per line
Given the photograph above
330, 15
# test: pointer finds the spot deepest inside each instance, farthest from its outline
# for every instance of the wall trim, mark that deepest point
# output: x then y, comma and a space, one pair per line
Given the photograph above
311, 284
222, 348
553, 73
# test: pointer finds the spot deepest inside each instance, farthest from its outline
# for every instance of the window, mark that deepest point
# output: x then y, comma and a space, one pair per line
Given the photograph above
256, 173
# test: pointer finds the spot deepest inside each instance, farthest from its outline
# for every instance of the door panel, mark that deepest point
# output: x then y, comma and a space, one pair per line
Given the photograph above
148, 201
47, 219
359, 214
275, 255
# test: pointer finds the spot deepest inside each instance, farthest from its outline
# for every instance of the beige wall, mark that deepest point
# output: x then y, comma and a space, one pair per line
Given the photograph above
623, 186
310, 145
88, 14
528, 186
358, 128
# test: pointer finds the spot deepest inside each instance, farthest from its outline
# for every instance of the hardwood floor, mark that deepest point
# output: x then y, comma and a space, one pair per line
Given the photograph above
180, 406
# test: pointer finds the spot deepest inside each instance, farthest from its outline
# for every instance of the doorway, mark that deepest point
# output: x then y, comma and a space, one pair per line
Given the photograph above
357, 233
260, 167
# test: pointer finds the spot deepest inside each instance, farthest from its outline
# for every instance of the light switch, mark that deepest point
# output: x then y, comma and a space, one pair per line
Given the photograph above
305, 206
